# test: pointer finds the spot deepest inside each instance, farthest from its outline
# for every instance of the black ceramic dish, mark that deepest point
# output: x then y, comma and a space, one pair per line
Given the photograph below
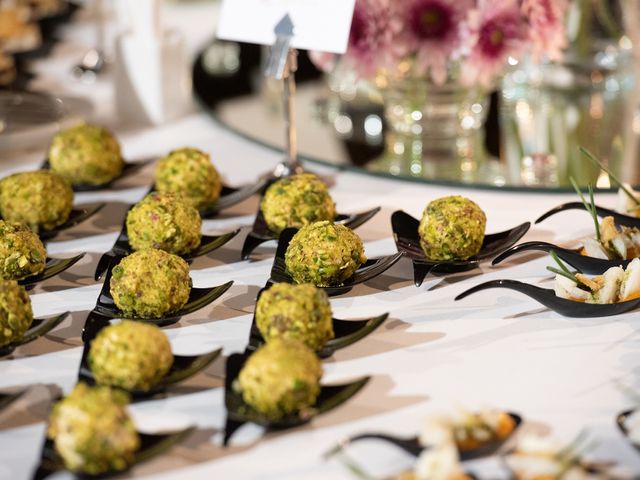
260, 233
413, 447
130, 168
584, 264
39, 327
370, 269
198, 298
620, 421
405, 234
53, 267
7, 399
239, 413
77, 216
151, 445
619, 218
122, 248
346, 332
184, 366
549, 299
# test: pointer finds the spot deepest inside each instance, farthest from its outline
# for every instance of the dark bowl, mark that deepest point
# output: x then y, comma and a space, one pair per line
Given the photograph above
129, 169
7, 399
549, 299
347, 332
239, 413
230, 196
39, 327
78, 215
412, 445
620, 421
260, 232
121, 248
198, 298
405, 234
184, 366
370, 269
151, 445
582, 263
619, 218
53, 267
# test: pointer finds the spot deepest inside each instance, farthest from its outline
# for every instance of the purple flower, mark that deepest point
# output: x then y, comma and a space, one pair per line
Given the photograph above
434, 32
497, 30
374, 37
547, 32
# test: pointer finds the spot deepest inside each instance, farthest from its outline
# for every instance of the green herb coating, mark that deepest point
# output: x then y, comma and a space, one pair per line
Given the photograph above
41, 199
324, 254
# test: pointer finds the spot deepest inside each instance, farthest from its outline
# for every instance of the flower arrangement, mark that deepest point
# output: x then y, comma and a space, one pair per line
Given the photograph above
469, 41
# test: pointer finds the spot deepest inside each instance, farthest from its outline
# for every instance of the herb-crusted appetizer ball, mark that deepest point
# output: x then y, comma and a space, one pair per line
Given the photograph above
40, 199
166, 221
324, 254
297, 201
130, 355
92, 431
452, 228
22, 253
15, 312
282, 377
150, 283
302, 312
86, 155
189, 172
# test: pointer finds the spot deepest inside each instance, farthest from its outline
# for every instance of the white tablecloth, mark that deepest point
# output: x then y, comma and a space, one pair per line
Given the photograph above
498, 348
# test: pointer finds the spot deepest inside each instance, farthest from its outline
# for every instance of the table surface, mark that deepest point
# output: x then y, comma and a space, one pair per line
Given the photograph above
497, 349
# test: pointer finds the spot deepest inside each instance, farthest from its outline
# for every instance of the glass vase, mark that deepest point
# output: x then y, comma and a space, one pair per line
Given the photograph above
433, 131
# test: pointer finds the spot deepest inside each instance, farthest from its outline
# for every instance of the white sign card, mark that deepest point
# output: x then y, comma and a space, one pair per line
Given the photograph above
321, 25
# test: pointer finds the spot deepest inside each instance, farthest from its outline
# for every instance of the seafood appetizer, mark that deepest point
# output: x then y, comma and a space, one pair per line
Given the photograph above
301, 312
324, 254
537, 458
296, 201
452, 228
86, 155
190, 173
440, 462
615, 285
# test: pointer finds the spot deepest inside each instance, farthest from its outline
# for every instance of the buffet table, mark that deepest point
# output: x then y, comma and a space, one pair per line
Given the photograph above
499, 348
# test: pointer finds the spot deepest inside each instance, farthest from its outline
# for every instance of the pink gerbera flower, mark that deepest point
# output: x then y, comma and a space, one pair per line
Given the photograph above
497, 30
546, 18
373, 38
434, 32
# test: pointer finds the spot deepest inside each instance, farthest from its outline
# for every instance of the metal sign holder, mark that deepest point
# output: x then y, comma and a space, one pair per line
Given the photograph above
282, 65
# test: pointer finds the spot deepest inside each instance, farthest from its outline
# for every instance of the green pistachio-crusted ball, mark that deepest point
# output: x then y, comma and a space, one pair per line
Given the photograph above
324, 254
22, 253
130, 355
452, 228
295, 201
86, 155
15, 312
282, 377
150, 283
92, 430
41, 199
189, 172
166, 221
302, 312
